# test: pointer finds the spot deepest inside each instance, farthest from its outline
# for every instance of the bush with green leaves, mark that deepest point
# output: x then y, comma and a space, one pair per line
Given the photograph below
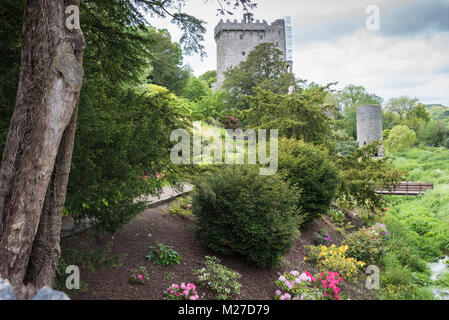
337, 216
163, 255
364, 245
218, 278
360, 174
400, 139
240, 212
182, 207
309, 169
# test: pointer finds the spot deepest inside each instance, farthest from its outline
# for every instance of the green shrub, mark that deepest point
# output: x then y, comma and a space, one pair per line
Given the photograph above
365, 245
239, 212
338, 217
309, 169
182, 207
163, 255
221, 280
322, 237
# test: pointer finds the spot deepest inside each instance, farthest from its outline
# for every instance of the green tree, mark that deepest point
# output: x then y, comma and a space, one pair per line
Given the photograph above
210, 77
354, 95
264, 68
433, 133
401, 106
417, 117
300, 116
360, 174
400, 138
166, 60
389, 120
310, 170
212, 106
195, 89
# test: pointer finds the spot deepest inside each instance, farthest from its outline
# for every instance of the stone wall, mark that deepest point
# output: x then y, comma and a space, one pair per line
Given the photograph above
369, 124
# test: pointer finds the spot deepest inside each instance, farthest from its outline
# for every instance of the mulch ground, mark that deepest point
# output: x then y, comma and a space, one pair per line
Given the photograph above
156, 225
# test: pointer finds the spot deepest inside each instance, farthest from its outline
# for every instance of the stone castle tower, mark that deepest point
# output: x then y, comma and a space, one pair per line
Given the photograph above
235, 40
369, 124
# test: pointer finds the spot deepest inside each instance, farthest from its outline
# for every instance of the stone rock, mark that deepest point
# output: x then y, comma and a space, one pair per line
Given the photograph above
6, 291
47, 293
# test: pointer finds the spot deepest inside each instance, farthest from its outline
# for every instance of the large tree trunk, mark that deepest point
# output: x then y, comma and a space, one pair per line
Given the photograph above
36, 161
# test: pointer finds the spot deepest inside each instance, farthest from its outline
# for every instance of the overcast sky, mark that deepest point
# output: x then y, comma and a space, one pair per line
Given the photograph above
407, 55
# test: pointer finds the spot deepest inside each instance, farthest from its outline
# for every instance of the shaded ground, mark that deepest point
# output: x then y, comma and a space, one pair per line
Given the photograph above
155, 225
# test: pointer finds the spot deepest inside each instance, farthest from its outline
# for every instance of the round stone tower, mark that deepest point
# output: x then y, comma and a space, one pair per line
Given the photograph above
369, 124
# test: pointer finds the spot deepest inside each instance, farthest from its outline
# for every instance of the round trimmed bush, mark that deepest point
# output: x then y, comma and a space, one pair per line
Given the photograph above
239, 212
310, 170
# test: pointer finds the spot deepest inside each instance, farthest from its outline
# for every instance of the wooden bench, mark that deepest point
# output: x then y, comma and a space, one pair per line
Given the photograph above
405, 188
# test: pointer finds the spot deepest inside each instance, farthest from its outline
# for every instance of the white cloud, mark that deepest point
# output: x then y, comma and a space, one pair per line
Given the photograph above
388, 66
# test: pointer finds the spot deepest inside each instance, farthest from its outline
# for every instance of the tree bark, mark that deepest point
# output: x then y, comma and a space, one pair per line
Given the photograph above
38, 151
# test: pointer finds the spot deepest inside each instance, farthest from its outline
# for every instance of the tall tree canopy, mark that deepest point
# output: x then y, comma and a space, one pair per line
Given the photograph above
264, 68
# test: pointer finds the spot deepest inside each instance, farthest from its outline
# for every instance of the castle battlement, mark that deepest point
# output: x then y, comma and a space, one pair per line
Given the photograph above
229, 25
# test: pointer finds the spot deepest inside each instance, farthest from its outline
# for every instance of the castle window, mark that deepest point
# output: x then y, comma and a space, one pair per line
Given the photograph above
261, 37
243, 53
241, 37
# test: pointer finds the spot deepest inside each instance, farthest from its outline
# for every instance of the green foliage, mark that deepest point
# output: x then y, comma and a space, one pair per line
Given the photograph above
123, 134
211, 106
424, 164
182, 207
417, 117
61, 278
360, 173
300, 116
338, 217
166, 63
418, 226
195, 89
218, 278
389, 120
264, 68
365, 245
163, 255
402, 266
344, 144
210, 77
310, 170
400, 139
93, 260
401, 106
239, 212
433, 133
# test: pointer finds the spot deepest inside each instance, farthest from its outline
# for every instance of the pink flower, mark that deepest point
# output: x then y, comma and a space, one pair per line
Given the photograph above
278, 292
195, 297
